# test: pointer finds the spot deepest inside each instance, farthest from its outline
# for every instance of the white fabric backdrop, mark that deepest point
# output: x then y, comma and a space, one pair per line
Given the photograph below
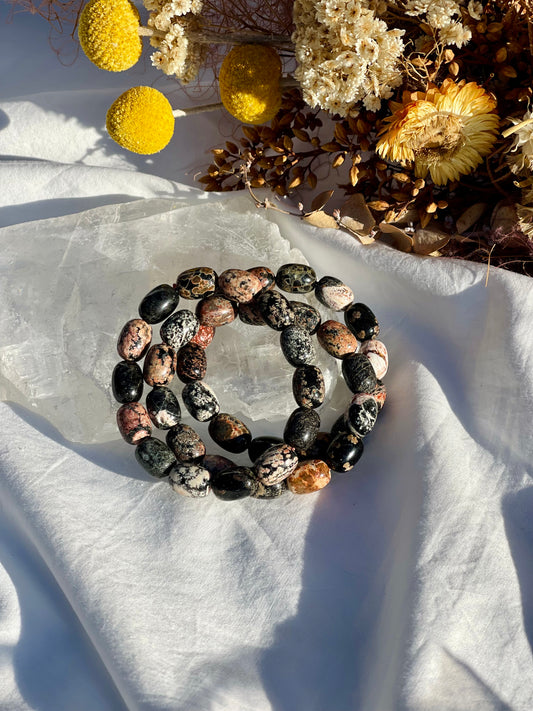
404, 585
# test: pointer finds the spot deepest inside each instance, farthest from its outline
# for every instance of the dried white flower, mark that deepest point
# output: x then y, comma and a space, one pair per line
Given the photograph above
475, 9
522, 150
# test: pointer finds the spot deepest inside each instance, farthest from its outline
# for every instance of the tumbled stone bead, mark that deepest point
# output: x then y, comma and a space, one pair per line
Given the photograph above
133, 422
339, 426
215, 311
185, 443
163, 408
191, 363
265, 276
275, 309
333, 293
309, 476
229, 432
204, 336
249, 314
178, 330
127, 382
190, 479
296, 278
296, 346
318, 449
377, 354
361, 322
259, 445
134, 339
301, 428
239, 285
158, 303
159, 365
262, 491
216, 463
154, 456
276, 464
362, 414
234, 484
196, 283
380, 393
200, 401
344, 451
308, 386
336, 339
305, 316
358, 373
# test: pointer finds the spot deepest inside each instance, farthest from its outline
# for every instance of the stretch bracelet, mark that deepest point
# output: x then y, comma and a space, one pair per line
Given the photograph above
303, 460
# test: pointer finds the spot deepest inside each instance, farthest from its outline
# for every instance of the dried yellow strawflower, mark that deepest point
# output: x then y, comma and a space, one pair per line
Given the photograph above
141, 120
108, 32
446, 130
249, 83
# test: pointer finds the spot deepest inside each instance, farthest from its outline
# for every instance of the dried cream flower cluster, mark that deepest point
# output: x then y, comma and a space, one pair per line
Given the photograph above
521, 155
441, 15
345, 54
175, 21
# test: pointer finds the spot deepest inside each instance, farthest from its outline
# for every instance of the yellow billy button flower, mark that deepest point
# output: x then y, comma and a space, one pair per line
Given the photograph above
250, 83
446, 131
108, 32
141, 120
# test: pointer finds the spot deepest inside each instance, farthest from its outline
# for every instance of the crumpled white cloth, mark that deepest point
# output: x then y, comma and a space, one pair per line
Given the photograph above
406, 584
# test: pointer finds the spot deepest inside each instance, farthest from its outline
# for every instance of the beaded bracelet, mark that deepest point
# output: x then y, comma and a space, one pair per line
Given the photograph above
277, 463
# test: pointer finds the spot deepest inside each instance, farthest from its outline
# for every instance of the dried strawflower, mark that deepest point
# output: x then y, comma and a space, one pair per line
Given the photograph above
249, 83
446, 131
108, 33
141, 120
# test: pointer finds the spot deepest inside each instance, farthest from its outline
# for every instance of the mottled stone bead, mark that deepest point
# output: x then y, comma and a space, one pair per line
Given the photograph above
265, 276
196, 283
336, 339
309, 476
344, 451
259, 445
178, 330
305, 316
308, 386
204, 335
191, 363
163, 408
239, 285
159, 303
380, 393
361, 322
301, 428
333, 293
185, 443
190, 479
127, 382
154, 456
234, 484
262, 491
318, 449
159, 365
275, 310
216, 311
358, 373
362, 414
296, 346
276, 464
133, 422
377, 354
249, 314
200, 401
296, 278
216, 463
134, 339
229, 432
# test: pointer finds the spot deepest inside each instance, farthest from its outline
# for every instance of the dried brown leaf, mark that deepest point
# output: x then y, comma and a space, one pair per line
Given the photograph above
470, 216
426, 241
321, 219
355, 209
504, 216
320, 200
395, 237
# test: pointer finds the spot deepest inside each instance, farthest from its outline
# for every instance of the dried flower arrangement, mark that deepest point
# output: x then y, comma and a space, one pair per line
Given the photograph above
420, 109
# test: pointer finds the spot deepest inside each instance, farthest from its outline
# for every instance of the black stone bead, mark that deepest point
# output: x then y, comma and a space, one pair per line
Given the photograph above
361, 322
154, 456
216, 463
163, 408
200, 401
318, 449
158, 303
306, 316
185, 443
179, 328
344, 451
259, 445
233, 484
296, 346
249, 314
339, 426
358, 373
296, 278
229, 433
275, 309
191, 363
127, 382
361, 416
301, 428
308, 386
274, 491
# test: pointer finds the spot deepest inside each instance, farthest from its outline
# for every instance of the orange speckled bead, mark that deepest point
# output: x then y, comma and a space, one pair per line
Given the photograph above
311, 475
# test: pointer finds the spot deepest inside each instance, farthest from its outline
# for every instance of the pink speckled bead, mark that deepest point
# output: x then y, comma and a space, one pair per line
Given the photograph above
134, 339
133, 422
376, 352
